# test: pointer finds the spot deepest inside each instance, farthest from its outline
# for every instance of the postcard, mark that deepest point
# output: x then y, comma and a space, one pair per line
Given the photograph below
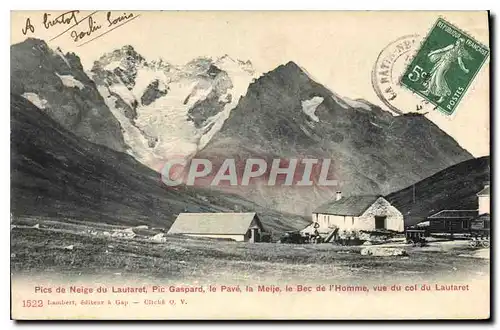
261, 165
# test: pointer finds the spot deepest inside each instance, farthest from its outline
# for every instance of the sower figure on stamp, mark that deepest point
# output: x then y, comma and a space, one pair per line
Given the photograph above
443, 59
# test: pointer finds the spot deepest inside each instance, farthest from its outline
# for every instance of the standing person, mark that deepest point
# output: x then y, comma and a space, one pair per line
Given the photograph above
443, 59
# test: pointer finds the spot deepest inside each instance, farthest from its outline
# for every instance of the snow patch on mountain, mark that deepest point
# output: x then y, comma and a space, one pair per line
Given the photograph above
165, 119
126, 95
59, 52
359, 104
70, 81
36, 100
113, 65
144, 78
136, 141
348, 103
309, 107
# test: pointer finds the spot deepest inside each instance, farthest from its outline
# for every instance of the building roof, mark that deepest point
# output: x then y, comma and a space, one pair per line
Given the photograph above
213, 223
484, 216
484, 192
353, 205
454, 214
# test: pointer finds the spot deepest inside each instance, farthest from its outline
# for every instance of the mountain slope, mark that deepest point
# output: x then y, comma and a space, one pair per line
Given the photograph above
285, 114
168, 110
58, 85
453, 188
57, 174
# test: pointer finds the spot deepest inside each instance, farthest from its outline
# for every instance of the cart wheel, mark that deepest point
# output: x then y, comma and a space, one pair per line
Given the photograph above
419, 244
473, 244
410, 241
485, 243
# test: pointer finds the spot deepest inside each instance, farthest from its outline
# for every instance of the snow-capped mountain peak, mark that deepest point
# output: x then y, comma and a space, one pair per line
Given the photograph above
168, 109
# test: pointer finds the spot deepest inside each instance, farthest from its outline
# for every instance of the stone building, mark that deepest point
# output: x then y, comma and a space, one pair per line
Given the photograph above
484, 200
365, 212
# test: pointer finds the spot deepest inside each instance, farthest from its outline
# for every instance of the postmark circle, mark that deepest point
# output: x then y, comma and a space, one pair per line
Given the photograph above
386, 73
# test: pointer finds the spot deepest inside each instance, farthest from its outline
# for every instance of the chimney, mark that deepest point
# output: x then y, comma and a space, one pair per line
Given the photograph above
338, 196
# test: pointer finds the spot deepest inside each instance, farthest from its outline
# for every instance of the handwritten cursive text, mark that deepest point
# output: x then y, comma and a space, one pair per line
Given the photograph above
112, 21
65, 18
92, 27
28, 26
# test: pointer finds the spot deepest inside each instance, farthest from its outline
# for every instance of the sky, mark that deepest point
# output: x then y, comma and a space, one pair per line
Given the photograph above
337, 49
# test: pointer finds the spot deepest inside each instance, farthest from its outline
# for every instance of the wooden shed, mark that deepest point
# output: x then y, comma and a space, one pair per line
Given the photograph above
241, 227
451, 221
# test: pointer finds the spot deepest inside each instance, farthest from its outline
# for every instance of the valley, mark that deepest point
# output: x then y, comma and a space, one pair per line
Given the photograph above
45, 251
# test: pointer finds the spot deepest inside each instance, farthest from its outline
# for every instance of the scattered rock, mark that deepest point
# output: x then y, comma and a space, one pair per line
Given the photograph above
383, 252
159, 238
37, 226
124, 233
69, 247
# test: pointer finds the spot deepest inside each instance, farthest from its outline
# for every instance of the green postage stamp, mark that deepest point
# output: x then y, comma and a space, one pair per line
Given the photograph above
444, 66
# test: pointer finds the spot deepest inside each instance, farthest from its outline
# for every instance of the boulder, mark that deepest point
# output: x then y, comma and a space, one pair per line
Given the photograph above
158, 238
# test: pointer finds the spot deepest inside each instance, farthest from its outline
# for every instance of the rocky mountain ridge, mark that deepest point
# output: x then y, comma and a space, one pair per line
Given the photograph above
56, 83
286, 114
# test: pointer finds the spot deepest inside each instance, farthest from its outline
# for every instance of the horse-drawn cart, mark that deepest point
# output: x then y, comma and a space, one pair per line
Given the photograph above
415, 236
480, 231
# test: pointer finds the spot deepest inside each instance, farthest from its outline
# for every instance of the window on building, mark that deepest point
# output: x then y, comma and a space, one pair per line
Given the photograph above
465, 224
